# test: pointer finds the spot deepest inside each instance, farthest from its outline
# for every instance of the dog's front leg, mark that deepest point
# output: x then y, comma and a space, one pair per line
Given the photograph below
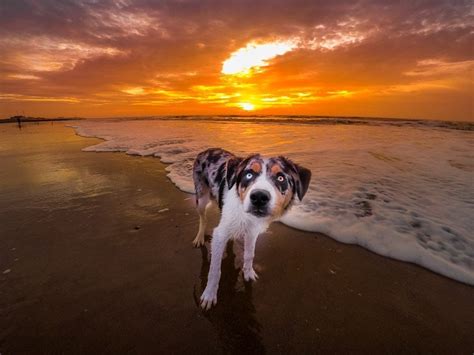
249, 253
218, 244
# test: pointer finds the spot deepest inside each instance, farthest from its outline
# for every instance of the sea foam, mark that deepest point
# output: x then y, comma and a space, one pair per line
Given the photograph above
401, 190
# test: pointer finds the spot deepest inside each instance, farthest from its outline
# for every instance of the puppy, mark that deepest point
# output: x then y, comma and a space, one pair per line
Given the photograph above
251, 193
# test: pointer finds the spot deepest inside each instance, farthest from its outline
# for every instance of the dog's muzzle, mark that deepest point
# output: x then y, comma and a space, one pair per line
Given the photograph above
259, 203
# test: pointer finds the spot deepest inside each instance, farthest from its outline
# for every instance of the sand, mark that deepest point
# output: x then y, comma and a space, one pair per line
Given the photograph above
98, 248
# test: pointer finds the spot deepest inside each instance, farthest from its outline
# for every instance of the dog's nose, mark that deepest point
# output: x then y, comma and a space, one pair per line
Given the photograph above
260, 198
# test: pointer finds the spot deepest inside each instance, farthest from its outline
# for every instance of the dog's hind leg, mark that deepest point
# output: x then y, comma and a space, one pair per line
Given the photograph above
202, 204
203, 196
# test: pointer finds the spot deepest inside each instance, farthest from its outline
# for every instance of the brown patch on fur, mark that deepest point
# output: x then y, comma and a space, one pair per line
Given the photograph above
243, 192
282, 202
256, 166
275, 169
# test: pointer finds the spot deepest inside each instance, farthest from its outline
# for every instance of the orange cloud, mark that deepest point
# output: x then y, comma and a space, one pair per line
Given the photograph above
202, 57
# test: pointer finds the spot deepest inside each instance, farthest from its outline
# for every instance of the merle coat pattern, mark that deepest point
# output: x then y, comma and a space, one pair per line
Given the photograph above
251, 193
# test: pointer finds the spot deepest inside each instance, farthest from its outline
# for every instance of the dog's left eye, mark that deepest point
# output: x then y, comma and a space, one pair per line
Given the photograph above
280, 178
249, 176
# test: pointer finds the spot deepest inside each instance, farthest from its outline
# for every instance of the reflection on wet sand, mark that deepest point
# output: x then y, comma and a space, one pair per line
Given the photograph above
89, 264
234, 316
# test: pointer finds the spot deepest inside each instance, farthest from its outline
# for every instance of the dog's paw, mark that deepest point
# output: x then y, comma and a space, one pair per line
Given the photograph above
208, 298
250, 275
198, 241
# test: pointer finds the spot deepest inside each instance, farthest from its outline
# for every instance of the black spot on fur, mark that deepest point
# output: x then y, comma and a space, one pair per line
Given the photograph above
214, 157
220, 174
231, 171
287, 164
221, 194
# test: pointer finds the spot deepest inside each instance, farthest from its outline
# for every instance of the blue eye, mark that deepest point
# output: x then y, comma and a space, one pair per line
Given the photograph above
280, 178
249, 176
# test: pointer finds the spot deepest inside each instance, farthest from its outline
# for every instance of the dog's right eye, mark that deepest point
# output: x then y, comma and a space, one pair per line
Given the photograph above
248, 176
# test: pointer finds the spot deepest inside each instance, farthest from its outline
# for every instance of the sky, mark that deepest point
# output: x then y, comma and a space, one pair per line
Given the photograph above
405, 59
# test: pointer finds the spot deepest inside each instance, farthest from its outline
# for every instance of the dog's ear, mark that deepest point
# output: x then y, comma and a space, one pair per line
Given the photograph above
301, 176
231, 173
304, 177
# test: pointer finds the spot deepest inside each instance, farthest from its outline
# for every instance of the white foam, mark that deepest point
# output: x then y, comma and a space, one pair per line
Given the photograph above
401, 191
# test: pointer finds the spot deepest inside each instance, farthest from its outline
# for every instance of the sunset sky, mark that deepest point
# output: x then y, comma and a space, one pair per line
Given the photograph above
410, 59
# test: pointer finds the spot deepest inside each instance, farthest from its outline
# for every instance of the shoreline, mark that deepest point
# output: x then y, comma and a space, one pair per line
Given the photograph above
37, 120
279, 119
396, 252
104, 271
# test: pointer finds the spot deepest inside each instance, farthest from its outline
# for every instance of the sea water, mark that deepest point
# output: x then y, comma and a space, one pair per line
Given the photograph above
403, 189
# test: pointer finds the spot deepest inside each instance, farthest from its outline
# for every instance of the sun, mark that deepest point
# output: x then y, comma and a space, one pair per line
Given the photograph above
247, 106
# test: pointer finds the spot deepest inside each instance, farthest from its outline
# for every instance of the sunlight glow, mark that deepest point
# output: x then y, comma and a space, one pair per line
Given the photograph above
134, 91
340, 93
256, 56
23, 77
247, 106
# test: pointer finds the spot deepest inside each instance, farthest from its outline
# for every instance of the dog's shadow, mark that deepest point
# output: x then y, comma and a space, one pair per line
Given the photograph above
234, 315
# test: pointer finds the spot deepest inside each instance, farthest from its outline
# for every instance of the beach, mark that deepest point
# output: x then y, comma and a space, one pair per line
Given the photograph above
96, 257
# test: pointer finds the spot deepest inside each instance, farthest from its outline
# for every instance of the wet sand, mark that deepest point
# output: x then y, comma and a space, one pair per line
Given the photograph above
96, 257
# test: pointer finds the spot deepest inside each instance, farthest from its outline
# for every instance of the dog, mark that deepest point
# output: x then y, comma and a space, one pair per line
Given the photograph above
251, 193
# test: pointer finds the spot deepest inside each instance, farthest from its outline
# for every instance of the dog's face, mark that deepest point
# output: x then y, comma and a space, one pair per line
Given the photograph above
267, 187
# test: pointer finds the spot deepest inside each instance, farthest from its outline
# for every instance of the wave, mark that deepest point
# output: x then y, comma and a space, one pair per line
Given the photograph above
315, 120
403, 191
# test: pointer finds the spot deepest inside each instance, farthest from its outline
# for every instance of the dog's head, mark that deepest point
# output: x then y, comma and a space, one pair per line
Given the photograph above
267, 186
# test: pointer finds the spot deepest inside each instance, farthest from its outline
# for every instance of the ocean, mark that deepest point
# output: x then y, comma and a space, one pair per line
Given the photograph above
402, 189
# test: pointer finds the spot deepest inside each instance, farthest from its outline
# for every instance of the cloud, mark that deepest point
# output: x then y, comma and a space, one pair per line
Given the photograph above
43, 54
110, 24
140, 56
254, 56
439, 67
